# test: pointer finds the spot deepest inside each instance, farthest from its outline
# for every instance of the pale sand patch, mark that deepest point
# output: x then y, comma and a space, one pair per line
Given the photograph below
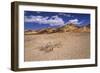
57, 46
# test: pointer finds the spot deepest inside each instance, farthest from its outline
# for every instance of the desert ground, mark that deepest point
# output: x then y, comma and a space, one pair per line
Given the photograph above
57, 46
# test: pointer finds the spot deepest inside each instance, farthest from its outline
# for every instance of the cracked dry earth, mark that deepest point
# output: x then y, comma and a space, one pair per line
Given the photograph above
57, 46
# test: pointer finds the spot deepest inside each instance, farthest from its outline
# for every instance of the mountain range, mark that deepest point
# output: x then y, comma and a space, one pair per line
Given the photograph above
66, 28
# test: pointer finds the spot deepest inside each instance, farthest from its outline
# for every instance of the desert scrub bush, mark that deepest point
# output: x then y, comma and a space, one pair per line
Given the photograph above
49, 47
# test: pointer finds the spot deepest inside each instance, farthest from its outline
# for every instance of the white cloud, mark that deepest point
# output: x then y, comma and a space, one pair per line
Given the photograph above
74, 21
52, 21
67, 15
38, 12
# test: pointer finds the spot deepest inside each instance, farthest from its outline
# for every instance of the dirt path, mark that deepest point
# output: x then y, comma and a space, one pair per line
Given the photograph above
57, 46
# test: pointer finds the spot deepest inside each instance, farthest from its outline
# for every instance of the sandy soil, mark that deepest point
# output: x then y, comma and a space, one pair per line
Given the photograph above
57, 46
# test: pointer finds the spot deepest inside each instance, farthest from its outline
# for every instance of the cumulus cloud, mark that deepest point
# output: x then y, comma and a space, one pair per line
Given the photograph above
74, 21
52, 21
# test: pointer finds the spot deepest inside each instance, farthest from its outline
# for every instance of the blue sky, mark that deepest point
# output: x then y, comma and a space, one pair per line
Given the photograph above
38, 19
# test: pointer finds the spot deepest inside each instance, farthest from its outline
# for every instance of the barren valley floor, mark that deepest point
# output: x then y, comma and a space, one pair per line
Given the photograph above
57, 46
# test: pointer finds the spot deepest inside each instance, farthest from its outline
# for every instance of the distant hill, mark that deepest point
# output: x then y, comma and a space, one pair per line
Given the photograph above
74, 28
